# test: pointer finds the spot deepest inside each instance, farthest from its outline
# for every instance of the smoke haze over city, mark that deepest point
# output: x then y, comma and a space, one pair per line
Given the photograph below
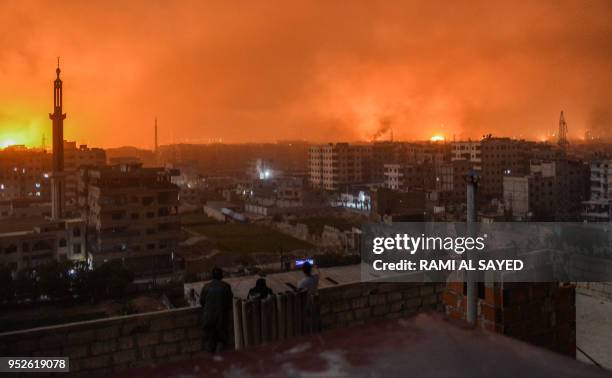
241, 72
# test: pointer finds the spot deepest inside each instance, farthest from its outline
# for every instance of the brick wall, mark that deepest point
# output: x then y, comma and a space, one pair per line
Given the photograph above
543, 314
358, 303
103, 346
100, 347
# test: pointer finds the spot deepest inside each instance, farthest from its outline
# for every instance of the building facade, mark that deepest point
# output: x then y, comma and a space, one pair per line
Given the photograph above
501, 157
598, 208
76, 157
27, 243
24, 174
467, 150
132, 215
333, 167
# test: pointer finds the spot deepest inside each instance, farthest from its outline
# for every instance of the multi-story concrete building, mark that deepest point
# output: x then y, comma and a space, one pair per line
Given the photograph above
76, 157
26, 243
531, 196
132, 215
404, 177
467, 150
553, 190
335, 166
24, 173
433, 153
599, 206
501, 157
450, 181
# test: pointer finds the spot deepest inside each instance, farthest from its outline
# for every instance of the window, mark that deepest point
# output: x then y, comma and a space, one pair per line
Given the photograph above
76, 232
76, 249
62, 242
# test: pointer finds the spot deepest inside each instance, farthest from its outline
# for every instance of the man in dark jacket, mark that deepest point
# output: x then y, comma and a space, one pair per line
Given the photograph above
216, 299
261, 290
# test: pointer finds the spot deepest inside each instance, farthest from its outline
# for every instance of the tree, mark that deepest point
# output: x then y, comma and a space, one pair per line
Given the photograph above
54, 280
26, 284
110, 280
80, 278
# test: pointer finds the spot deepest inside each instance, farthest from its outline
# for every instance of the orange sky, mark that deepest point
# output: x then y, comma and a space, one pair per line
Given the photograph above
265, 70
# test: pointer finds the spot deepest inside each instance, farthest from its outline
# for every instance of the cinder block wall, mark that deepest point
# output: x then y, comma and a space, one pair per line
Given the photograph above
103, 346
99, 347
543, 314
359, 303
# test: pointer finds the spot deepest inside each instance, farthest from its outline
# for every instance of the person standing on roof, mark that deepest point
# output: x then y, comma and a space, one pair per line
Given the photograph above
310, 283
216, 300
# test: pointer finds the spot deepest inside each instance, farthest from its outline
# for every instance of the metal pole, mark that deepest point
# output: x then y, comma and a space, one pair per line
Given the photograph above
471, 285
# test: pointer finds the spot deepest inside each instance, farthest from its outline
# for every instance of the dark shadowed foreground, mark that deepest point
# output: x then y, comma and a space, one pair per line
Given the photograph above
425, 346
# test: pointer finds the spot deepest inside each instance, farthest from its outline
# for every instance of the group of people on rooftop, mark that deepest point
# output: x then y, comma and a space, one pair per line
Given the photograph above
216, 300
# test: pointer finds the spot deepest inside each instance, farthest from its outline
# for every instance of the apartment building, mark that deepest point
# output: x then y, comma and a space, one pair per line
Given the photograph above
24, 173
467, 150
26, 243
132, 215
599, 206
405, 177
501, 157
335, 166
529, 197
76, 157
553, 190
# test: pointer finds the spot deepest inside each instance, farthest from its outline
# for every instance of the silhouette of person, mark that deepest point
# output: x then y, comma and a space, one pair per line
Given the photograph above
216, 300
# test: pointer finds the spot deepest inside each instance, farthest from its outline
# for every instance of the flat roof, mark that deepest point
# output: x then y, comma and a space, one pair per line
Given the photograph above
424, 345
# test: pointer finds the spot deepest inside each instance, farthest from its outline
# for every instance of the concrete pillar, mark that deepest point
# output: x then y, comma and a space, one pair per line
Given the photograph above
247, 323
281, 311
237, 310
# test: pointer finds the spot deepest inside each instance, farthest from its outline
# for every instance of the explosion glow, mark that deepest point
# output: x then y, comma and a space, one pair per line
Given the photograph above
6, 143
437, 138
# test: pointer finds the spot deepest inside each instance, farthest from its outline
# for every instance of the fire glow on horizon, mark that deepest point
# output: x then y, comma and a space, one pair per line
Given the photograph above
275, 71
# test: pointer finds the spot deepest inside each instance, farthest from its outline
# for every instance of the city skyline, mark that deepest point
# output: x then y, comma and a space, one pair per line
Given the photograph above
309, 73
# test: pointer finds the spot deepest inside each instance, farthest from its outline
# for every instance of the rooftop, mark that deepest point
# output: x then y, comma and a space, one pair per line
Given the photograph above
425, 345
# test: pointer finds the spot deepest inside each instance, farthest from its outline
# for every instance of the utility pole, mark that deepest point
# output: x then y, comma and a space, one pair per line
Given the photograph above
471, 179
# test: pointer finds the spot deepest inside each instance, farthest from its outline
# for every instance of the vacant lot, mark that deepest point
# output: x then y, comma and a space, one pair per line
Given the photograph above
242, 238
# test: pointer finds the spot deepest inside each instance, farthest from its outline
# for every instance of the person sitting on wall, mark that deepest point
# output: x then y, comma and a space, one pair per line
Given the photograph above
216, 300
261, 290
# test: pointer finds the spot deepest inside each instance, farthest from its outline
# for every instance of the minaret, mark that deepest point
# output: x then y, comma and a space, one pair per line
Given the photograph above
57, 175
155, 136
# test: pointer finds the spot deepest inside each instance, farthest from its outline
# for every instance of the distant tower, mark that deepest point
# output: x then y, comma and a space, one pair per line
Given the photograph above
57, 176
562, 135
155, 150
